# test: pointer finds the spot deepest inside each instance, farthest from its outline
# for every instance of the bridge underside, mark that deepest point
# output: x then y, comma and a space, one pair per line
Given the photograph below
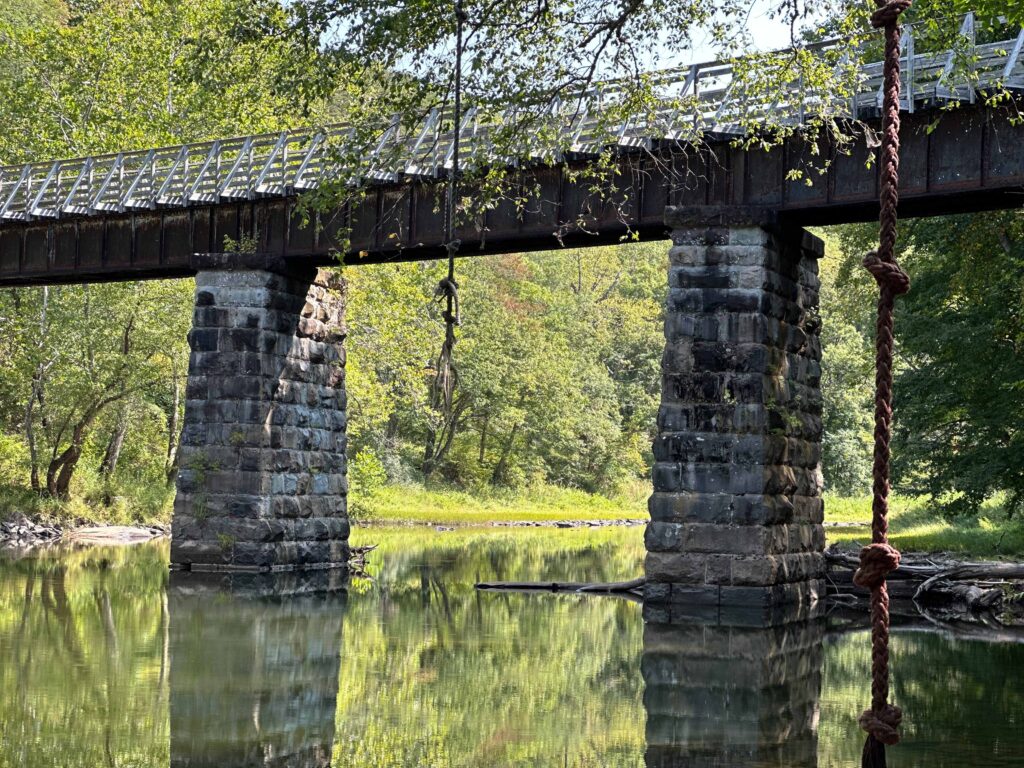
973, 159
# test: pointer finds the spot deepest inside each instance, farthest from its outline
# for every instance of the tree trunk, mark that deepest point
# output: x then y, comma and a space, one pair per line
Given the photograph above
439, 442
171, 463
501, 468
483, 439
429, 462
30, 436
62, 467
391, 431
37, 396
113, 452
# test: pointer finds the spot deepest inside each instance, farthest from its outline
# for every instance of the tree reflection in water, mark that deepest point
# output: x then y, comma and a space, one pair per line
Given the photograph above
82, 637
103, 663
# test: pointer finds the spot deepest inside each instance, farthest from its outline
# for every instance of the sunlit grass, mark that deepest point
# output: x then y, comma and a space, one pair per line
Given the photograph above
417, 504
917, 525
129, 502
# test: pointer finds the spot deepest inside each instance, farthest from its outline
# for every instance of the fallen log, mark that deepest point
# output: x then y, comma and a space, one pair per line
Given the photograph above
973, 588
616, 586
973, 598
633, 586
977, 572
954, 584
907, 570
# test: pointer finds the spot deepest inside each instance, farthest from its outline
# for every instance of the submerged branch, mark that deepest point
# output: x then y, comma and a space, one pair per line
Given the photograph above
962, 588
632, 587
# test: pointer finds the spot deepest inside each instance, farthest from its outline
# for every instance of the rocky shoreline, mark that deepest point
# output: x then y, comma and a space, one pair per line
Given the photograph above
20, 534
450, 526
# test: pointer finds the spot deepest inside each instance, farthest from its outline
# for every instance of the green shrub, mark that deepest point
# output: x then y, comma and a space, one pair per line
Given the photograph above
14, 456
366, 474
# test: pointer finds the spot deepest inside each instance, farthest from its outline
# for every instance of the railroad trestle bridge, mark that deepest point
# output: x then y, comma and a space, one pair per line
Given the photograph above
736, 514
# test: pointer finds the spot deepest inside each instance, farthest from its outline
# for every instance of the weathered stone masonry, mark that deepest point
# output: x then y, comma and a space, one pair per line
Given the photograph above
736, 512
262, 483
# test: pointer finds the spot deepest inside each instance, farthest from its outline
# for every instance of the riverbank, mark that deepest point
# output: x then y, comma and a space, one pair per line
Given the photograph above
21, 533
915, 524
416, 504
126, 504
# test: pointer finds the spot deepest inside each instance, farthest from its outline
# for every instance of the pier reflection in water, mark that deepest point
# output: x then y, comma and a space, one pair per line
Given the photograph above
254, 664
737, 688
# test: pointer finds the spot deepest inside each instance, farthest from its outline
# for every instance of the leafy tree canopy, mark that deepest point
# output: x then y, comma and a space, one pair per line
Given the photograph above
959, 423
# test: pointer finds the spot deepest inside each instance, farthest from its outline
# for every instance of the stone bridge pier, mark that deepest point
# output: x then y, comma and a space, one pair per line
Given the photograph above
736, 514
262, 482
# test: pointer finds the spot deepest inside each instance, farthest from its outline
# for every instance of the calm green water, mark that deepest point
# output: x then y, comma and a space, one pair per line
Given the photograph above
106, 660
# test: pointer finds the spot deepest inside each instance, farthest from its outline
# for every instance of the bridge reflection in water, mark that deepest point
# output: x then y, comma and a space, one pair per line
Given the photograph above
255, 661
254, 668
726, 689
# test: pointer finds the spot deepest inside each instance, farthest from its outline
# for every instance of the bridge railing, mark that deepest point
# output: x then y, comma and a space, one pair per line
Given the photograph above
702, 99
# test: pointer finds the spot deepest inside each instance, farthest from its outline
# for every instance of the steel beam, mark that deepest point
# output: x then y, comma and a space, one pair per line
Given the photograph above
972, 160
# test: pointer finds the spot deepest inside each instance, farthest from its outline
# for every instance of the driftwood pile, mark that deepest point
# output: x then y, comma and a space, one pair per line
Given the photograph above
940, 583
990, 593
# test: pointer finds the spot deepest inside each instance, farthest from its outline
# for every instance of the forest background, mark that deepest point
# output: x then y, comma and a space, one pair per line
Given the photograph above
559, 353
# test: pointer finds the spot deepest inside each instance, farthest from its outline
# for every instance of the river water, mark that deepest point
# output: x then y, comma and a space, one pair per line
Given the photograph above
106, 659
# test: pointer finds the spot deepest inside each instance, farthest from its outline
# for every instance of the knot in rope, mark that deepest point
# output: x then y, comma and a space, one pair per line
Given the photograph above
883, 724
876, 562
889, 12
879, 559
888, 274
447, 290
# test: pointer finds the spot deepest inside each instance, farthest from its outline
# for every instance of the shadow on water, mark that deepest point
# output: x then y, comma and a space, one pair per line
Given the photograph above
254, 668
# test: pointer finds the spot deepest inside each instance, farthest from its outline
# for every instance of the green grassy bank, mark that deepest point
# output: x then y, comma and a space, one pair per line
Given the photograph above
916, 525
389, 504
132, 503
446, 506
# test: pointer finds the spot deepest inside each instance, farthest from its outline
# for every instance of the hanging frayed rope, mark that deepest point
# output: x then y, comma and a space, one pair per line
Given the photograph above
447, 376
447, 290
882, 719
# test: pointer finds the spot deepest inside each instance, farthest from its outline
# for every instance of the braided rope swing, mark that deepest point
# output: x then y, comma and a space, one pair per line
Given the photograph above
447, 289
882, 719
